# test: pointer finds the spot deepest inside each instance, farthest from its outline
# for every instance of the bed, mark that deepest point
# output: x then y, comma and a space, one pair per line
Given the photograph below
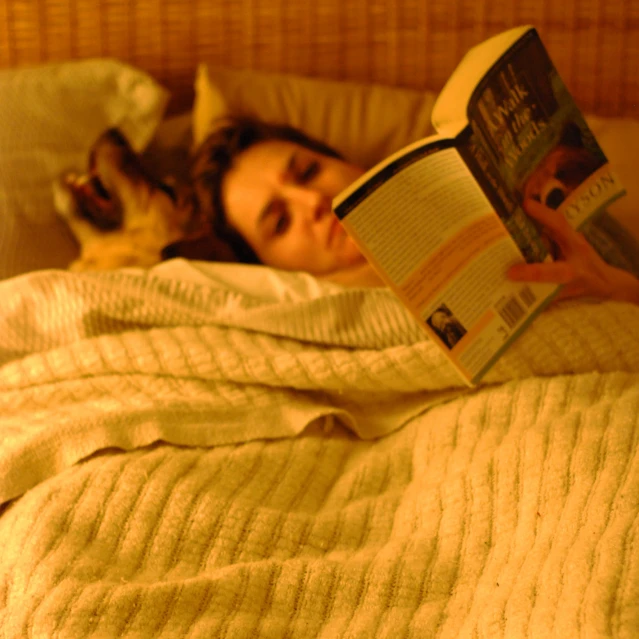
222, 450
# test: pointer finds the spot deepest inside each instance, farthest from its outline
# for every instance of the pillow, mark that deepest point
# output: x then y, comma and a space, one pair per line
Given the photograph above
619, 140
49, 117
364, 122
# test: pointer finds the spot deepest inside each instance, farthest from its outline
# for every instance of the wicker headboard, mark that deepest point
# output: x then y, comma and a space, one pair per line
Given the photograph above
410, 43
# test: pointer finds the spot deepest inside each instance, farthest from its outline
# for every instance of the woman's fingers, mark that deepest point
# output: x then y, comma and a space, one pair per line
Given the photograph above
580, 269
548, 217
556, 226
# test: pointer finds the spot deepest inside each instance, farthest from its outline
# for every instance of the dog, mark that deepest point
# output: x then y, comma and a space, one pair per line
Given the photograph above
566, 166
122, 216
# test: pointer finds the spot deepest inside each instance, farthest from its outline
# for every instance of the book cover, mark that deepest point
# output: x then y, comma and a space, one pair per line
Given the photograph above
529, 125
442, 219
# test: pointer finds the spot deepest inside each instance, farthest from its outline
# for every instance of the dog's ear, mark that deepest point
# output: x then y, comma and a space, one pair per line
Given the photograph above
572, 136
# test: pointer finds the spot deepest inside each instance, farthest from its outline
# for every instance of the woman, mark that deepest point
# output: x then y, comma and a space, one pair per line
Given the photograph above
268, 189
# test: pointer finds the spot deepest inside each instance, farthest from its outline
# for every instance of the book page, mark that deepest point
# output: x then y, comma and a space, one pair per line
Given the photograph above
398, 231
427, 227
450, 111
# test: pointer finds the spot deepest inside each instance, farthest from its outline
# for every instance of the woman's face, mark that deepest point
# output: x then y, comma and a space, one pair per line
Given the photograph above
278, 196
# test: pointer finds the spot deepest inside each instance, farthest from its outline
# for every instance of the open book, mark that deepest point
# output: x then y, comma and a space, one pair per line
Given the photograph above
442, 219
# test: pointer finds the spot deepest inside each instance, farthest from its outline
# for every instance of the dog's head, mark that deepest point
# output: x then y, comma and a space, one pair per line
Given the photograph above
561, 170
121, 215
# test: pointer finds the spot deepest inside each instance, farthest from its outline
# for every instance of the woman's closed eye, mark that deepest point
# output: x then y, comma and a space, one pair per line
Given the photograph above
308, 172
281, 222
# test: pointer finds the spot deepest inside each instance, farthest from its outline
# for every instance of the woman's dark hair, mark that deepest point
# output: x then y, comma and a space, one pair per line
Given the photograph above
215, 158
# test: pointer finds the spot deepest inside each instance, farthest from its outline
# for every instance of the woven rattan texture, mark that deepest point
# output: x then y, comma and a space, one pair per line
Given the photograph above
410, 43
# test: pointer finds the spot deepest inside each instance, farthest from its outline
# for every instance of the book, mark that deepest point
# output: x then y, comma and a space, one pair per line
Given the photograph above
442, 219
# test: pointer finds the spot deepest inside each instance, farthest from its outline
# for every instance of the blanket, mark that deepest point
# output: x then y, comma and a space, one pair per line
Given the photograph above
185, 458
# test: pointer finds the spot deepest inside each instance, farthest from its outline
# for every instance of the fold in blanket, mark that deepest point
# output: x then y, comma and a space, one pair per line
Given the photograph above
127, 359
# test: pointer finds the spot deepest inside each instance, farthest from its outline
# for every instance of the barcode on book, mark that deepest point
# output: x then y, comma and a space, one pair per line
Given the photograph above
511, 311
527, 296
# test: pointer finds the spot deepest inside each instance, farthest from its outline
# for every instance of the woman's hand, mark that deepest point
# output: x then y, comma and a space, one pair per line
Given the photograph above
580, 268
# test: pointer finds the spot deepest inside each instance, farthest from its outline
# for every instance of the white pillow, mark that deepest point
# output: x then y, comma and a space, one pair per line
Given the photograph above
49, 117
619, 140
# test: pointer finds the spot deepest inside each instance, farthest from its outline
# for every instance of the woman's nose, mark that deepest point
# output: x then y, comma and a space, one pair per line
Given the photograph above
310, 202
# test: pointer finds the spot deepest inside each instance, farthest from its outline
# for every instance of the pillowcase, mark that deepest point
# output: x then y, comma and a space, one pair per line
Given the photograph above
50, 115
364, 122
619, 140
